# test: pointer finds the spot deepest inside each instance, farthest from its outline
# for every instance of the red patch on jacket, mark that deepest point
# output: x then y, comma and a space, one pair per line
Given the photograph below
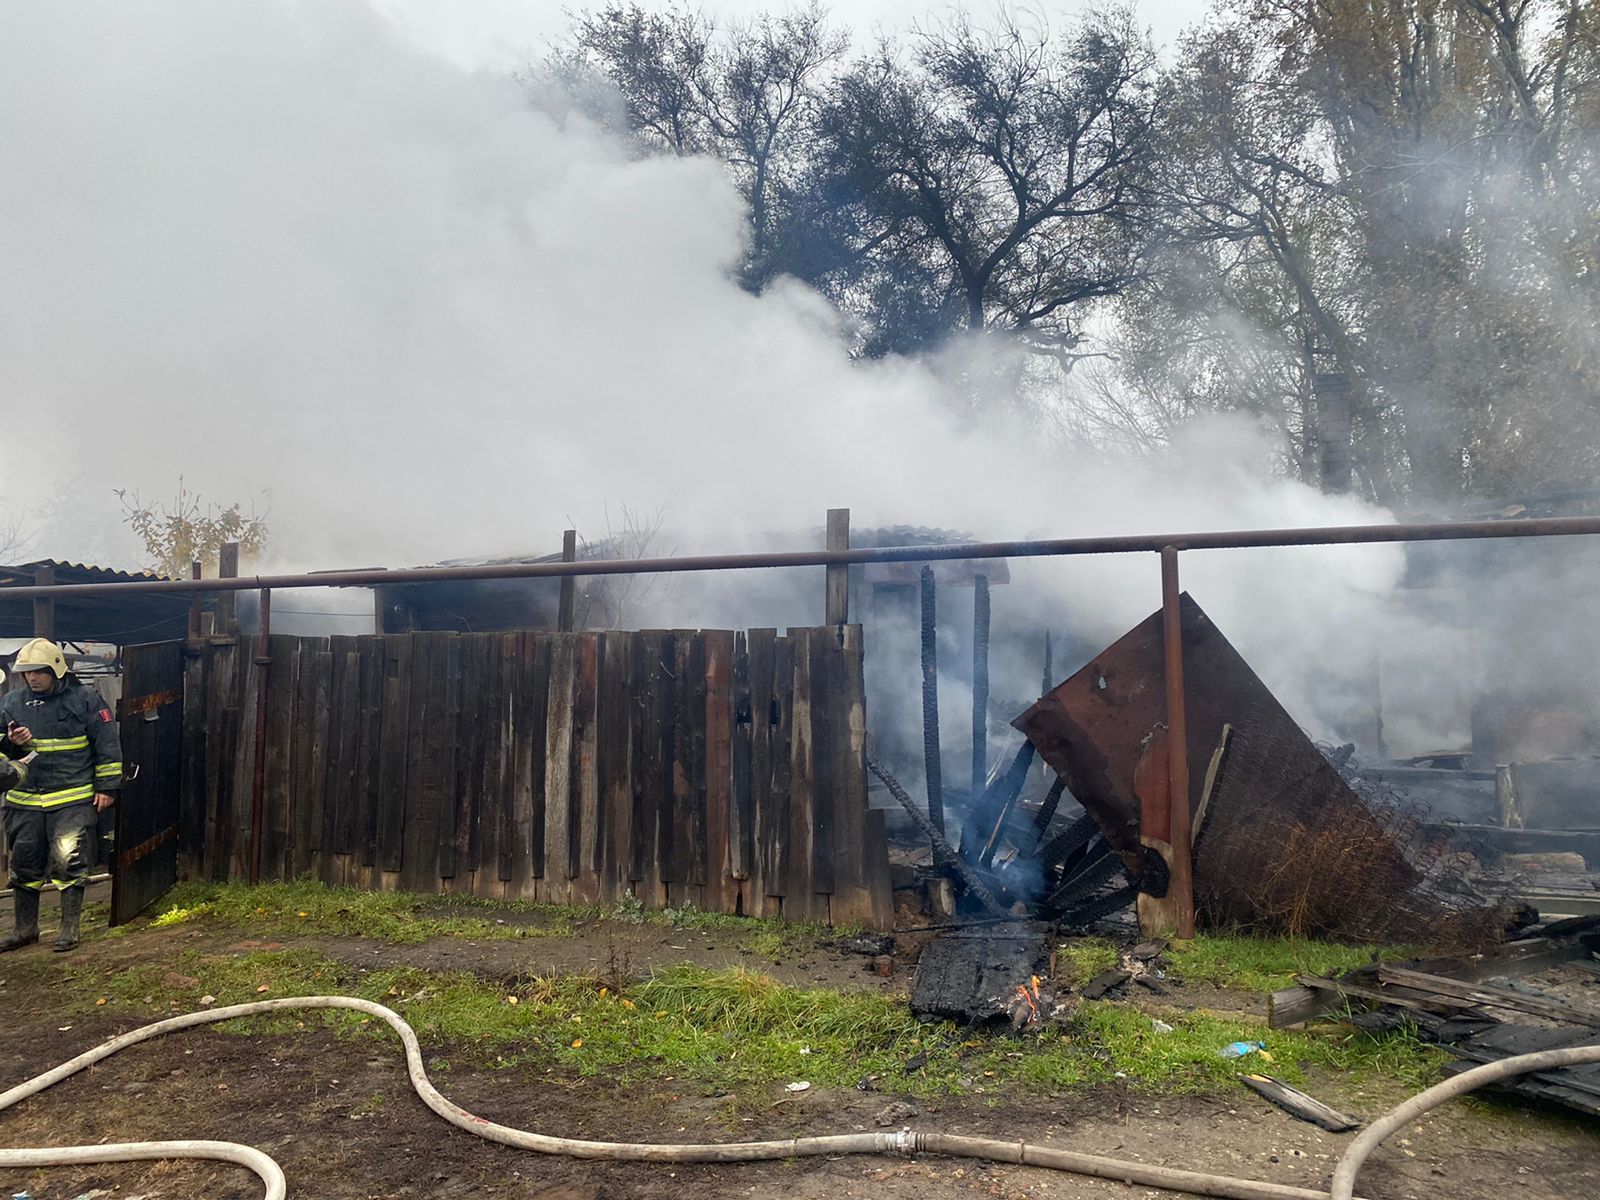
105, 715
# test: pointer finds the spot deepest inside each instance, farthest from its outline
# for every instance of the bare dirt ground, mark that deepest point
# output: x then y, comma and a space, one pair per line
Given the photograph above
339, 1115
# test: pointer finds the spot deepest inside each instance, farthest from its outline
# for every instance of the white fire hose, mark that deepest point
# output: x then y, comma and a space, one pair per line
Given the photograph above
903, 1142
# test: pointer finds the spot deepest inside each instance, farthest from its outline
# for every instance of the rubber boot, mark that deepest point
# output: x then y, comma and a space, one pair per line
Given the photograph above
25, 904
71, 912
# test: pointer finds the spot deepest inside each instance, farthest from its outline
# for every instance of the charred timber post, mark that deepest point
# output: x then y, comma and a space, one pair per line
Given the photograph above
931, 769
836, 600
259, 772
1340, 535
569, 583
980, 684
1182, 882
941, 848
227, 610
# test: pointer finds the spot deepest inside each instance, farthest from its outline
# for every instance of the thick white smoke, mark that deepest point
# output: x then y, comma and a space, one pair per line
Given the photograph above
277, 248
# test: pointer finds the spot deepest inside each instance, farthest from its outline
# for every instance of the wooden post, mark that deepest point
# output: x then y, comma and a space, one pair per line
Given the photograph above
44, 607
197, 606
379, 604
1182, 883
837, 587
569, 583
227, 610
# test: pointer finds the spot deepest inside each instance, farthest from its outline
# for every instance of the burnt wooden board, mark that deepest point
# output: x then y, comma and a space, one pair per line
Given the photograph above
971, 975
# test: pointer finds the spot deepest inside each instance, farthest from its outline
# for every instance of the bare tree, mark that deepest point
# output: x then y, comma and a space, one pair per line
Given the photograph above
745, 93
1003, 170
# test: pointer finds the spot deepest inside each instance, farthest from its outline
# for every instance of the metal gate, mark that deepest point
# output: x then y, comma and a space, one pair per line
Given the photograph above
145, 862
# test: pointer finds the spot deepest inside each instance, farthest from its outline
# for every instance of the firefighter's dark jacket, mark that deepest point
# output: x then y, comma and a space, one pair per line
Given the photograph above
79, 750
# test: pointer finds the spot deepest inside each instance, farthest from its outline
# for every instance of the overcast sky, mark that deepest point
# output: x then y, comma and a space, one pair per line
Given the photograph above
500, 33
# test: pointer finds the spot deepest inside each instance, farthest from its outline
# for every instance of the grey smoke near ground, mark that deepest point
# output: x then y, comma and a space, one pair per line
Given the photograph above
276, 248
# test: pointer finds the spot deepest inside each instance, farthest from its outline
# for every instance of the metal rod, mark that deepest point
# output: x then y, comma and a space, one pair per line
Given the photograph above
1182, 882
932, 769
259, 774
980, 684
1344, 535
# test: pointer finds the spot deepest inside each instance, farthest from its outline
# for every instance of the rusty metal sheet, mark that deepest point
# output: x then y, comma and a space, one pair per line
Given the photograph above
1104, 731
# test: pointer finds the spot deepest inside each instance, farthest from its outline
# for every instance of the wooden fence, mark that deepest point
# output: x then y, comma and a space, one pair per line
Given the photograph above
715, 768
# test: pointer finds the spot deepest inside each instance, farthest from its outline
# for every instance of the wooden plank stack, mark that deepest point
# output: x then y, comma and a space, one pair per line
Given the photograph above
702, 767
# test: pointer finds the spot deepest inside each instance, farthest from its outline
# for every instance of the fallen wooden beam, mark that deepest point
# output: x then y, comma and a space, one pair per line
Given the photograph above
1486, 995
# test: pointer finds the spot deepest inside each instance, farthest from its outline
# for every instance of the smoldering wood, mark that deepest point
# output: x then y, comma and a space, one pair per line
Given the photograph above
941, 848
972, 974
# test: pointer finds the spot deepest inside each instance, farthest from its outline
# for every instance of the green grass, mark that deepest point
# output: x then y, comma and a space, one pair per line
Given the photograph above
735, 1030
1080, 960
1264, 964
307, 907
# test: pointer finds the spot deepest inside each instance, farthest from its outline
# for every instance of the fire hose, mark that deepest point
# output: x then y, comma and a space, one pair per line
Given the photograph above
904, 1141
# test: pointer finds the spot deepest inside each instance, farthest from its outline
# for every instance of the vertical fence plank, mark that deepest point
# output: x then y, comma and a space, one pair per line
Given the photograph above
419, 842
219, 759
448, 723
762, 646
615, 744
827, 686
522, 730
469, 764
244, 759
277, 780
369, 766
722, 889
537, 650
852, 901
395, 737
492, 817
663, 683
317, 721
643, 741
798, 901
512, 848
558, 769
776, 818
194, 799
694, 764
584, 832
343, 721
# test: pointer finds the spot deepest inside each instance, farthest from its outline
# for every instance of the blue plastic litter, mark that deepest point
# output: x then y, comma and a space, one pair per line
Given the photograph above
1240, 1049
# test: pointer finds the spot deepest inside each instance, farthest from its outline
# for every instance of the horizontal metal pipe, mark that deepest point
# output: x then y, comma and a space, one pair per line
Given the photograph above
1338, 535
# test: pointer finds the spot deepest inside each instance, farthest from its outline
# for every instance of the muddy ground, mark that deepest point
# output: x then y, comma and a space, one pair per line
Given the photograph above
337, 1113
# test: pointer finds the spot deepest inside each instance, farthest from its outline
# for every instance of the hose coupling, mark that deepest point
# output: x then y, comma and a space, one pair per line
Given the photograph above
903, 1141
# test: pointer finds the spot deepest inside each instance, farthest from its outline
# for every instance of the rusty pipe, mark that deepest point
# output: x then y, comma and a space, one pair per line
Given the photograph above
1182, 880
1338, 535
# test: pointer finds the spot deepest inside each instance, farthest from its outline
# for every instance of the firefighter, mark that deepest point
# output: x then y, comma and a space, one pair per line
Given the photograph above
75, 771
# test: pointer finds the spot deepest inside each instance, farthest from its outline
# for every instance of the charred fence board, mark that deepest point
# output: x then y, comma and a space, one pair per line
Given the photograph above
704, 766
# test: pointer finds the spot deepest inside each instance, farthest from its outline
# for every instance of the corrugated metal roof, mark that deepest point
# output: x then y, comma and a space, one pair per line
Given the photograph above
122, 620
73, 572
